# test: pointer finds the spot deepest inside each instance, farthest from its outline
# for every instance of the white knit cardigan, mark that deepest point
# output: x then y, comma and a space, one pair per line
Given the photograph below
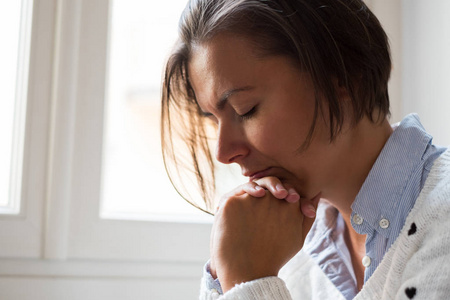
417, 266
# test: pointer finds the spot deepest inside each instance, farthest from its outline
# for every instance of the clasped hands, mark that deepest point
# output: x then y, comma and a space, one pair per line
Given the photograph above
258, 228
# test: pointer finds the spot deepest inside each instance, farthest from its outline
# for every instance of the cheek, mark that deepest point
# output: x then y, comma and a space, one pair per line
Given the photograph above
277, 137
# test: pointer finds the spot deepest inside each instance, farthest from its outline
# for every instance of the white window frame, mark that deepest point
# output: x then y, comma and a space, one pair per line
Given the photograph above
21, 234
78, 135
63, 155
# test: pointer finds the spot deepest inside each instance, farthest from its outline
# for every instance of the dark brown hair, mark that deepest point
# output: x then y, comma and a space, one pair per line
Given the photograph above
339, 43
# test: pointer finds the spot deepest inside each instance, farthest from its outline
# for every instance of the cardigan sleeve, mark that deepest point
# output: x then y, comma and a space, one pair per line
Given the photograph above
270, 288
427, 273
267, 288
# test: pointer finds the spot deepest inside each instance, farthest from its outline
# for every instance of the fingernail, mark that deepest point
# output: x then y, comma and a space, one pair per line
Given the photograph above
280, 187
292, 198
258, 188
293, 192
312, 211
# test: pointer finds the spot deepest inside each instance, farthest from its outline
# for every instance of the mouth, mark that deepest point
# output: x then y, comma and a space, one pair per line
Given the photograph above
258, 174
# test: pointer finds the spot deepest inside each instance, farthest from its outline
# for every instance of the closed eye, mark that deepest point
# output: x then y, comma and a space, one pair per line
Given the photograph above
206, 114
248, 114
209, 116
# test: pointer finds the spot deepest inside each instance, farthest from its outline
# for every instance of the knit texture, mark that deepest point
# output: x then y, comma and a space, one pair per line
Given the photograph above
417, 266
267, 288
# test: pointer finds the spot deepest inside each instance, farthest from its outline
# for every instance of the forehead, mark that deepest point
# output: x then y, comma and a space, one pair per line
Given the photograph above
222, 56
225, 62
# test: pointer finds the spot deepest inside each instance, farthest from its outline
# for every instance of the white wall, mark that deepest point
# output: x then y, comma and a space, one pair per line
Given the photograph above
419, 34
96, 289
426, 64
389, 12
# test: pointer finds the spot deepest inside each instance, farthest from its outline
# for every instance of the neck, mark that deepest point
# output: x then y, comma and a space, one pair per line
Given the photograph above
364, 144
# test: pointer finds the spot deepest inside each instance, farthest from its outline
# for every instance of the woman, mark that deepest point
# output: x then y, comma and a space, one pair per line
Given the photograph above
297, 90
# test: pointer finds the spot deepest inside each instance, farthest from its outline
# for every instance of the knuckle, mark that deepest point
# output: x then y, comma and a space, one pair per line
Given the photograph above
249, 185
273, 179
267, 180
239, 202
240, 189
231, 203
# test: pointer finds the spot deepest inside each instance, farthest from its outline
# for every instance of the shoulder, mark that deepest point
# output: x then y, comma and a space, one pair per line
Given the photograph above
425, 239
418, 259
430, 217
433, 204
438, 180
432, 214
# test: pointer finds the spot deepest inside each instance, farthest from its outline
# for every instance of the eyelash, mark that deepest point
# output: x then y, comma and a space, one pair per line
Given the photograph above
248, 114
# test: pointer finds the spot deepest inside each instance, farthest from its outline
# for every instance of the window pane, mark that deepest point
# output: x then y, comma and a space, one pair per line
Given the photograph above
142, 33
14, 30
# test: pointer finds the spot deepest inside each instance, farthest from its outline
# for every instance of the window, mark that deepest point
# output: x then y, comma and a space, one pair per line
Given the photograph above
120, 233
134, 181
15, 21
29, 77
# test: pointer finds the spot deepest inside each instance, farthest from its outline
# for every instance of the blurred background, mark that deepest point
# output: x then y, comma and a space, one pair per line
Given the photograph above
86, 209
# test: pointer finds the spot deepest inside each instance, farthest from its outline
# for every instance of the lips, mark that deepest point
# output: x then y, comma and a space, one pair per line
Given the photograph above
259, 174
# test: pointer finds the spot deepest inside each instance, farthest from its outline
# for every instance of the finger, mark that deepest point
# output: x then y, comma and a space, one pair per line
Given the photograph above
309, 206
308, 221
274, 185
293, 196
251, 188
278, 189
308, 209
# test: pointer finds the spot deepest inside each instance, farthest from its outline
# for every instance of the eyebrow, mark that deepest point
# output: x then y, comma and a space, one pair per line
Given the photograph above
224, 98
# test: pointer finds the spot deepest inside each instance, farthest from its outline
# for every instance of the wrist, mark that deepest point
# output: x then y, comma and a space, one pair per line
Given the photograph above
211, 269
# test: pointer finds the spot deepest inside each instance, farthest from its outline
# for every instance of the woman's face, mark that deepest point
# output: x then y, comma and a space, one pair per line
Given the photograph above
263, 108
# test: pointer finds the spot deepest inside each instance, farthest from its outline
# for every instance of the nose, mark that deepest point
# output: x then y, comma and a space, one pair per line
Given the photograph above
231, 144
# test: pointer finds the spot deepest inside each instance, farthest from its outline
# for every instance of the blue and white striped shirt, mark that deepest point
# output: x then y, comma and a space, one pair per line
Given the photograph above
380, 208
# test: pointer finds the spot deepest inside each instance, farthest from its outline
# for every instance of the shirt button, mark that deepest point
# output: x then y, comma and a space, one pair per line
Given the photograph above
214, 294
366, 261
384, 223
357, 219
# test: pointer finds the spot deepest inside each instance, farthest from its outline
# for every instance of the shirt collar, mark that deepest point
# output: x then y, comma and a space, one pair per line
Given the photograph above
383, 188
